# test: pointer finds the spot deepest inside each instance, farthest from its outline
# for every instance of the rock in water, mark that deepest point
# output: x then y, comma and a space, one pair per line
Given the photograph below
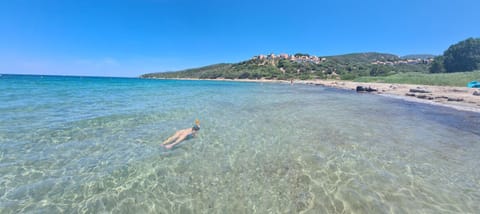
360, 89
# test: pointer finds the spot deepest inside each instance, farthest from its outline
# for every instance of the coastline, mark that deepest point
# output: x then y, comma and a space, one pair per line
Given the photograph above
459, 98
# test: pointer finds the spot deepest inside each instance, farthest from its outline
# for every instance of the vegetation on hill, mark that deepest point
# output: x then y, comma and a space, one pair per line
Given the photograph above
418, 56
364, 58
463, 56
303, 66
191, 73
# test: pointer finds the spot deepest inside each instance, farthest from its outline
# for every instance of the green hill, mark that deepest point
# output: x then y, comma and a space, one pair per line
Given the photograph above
303, 66
364, 57
192, 73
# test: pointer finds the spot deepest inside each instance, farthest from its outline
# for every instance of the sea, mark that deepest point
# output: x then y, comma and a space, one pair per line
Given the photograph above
93, 145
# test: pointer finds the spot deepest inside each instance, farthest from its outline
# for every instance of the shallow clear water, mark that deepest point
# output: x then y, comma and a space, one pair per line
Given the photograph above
90, 145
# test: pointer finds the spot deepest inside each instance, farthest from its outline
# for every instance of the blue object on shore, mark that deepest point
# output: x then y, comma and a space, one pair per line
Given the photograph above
473, 84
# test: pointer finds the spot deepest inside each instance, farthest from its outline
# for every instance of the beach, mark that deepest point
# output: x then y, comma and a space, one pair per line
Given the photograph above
460, 98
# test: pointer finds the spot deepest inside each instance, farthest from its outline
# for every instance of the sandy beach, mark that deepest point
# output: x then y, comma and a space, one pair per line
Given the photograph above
460, 98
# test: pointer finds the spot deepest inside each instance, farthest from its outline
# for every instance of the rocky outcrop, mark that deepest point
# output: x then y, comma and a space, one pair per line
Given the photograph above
429, 97
455, 99
419, 90
365, 89
421, 96
420, 93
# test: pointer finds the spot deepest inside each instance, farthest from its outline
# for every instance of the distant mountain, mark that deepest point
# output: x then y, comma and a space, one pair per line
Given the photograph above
303, 66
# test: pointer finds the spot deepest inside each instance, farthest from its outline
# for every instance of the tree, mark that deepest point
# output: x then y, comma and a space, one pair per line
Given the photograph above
380, 70
301, 54
463, 56
437, 65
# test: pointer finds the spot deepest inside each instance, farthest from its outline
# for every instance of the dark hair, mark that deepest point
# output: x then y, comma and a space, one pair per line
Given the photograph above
196, 128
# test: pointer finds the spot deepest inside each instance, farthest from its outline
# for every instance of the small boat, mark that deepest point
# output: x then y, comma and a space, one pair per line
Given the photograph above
473, 84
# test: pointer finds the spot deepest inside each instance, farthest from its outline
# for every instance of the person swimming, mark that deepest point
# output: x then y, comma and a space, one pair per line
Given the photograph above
182, 135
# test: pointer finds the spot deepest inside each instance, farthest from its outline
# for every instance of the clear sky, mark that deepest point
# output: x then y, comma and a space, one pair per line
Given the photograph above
128, 38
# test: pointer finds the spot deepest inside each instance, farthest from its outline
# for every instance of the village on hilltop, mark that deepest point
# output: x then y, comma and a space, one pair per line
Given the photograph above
296, 58
404, 61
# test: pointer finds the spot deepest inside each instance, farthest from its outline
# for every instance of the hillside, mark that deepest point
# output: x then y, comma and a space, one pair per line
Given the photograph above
304, 66
418, 56
364, 57
191, 73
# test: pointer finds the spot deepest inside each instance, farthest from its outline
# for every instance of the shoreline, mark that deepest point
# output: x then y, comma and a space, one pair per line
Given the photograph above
458, 98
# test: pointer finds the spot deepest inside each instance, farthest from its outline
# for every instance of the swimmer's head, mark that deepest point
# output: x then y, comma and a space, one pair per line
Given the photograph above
196, 127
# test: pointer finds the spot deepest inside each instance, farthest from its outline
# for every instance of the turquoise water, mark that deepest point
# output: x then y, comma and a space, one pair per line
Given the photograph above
91, 145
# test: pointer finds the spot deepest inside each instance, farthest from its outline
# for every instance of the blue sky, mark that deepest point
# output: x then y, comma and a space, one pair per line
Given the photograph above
128, 38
